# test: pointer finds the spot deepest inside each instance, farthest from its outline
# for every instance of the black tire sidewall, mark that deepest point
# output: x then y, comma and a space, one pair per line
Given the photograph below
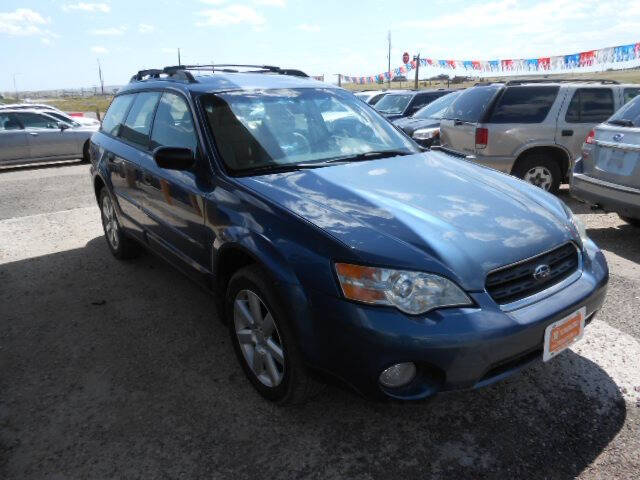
539, 160
117, 252
253, 278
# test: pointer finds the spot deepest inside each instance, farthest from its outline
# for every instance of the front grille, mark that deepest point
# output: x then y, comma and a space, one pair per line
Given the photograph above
515, 282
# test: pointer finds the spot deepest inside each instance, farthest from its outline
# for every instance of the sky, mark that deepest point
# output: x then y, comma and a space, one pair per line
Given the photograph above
51, 44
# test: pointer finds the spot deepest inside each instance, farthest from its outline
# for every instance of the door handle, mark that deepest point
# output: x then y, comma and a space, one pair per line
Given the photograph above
567, 133
33, 134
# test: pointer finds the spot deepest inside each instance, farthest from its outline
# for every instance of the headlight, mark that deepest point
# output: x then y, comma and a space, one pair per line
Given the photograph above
426, 133
578, 226
410, 292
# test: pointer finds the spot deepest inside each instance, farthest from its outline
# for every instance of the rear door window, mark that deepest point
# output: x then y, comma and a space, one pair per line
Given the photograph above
524, 104
472, 104
590, 105
629, 94
115, 114
137, 126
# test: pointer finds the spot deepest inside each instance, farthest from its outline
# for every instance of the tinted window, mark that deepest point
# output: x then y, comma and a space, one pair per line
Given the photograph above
590, 105
471, 104
524, 105
137, 126
438, 107
34, 120
423, 99
8, 122
115, 115
173, 125
628, 115
392, 103
630, 93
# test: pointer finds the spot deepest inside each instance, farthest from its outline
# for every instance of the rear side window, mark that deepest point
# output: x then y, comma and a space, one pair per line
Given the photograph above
8, 122
590, 105
524, 105
115, 115
173, 125
471, 105
628, 115
630, 93
137, 126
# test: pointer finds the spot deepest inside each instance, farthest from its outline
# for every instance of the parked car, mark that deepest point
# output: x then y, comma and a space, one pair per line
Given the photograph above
531, 129
370, 96
608, 173
401, 104
28, 136
84, 121
339, 246
424, 125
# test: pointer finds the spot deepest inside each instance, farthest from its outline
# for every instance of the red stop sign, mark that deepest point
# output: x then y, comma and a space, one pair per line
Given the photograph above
405, 57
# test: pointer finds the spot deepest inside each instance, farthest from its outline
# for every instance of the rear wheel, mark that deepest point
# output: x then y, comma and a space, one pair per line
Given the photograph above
631, 221
539, 170
121, 246
264, 341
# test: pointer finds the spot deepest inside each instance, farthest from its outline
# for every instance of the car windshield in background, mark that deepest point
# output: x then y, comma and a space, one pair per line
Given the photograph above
288, 128
472, 103
628, 115
437, 108
394, 103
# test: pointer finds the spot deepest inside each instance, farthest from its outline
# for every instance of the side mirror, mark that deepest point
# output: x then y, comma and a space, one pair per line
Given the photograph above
62, 126
174, 158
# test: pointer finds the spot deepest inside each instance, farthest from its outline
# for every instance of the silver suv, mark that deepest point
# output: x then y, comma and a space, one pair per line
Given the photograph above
608, 174
531, 129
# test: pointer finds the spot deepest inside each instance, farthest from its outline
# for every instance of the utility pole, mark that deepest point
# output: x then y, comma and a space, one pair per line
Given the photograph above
339, 79
389, 58
15, 89
417, 60
100, 76
179, 62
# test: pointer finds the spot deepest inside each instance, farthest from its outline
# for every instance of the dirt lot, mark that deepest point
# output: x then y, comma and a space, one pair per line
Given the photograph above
121, 370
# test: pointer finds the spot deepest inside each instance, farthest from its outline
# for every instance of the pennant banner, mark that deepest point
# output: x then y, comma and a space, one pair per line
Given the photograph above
574, 62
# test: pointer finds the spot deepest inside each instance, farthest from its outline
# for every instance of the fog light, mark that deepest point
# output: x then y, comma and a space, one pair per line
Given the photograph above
398, 375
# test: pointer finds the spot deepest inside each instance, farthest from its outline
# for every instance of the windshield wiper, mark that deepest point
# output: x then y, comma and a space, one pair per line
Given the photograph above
623, 122
358, 157
279, 168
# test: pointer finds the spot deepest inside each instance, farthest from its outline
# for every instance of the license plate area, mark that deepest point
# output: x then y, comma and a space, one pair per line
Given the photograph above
562, 334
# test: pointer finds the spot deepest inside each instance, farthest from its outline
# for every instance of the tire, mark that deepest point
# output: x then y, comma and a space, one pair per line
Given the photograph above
121, 246
539, 170
631, 221
279, 374
85, 152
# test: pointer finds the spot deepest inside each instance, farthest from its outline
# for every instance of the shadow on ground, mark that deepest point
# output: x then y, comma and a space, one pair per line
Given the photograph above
121, 370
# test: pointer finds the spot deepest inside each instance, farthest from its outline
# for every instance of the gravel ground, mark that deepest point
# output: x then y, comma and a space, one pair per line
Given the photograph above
120, 370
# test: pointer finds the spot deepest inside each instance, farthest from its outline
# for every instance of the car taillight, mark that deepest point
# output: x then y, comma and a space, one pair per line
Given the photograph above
591, 138
482, 137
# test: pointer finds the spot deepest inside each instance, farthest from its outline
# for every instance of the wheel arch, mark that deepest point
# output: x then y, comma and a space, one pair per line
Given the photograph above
557, 152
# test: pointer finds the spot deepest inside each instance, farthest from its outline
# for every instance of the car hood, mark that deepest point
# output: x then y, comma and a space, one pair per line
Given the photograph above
411, 124
428, 211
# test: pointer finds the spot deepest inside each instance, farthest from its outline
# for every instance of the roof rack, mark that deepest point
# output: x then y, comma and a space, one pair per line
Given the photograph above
562, 80
182, 72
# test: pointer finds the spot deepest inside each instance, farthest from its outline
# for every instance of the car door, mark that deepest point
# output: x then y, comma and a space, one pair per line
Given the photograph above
130, 154
587, 107
14, 146
173, 199
46, 139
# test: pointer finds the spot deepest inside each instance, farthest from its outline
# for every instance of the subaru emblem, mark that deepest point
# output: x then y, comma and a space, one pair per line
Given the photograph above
618, 137
541, 272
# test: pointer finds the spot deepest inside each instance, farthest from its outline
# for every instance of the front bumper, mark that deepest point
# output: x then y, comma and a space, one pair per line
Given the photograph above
610, 196
453, 348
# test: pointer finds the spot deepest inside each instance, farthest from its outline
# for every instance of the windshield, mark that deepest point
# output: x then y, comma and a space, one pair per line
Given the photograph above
628, 115
394, 103
288, 127
437, 108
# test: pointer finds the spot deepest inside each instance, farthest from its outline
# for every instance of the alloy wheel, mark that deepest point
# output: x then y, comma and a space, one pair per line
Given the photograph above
110, 222
540, 177
259, 339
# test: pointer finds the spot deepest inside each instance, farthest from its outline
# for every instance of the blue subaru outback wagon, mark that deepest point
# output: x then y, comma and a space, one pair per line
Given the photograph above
334, 243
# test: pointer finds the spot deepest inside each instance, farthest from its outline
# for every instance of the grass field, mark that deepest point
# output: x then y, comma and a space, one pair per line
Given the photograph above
73, 104
622, 76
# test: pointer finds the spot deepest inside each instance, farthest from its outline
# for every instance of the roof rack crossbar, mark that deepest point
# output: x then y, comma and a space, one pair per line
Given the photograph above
562, 80
155, 74
225, 67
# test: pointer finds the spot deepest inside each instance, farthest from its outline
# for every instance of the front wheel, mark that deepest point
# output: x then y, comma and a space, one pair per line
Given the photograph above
263, 341
539, 170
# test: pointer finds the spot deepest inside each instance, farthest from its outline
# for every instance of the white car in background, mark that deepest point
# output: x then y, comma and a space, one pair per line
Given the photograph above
371, 96
84, 121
